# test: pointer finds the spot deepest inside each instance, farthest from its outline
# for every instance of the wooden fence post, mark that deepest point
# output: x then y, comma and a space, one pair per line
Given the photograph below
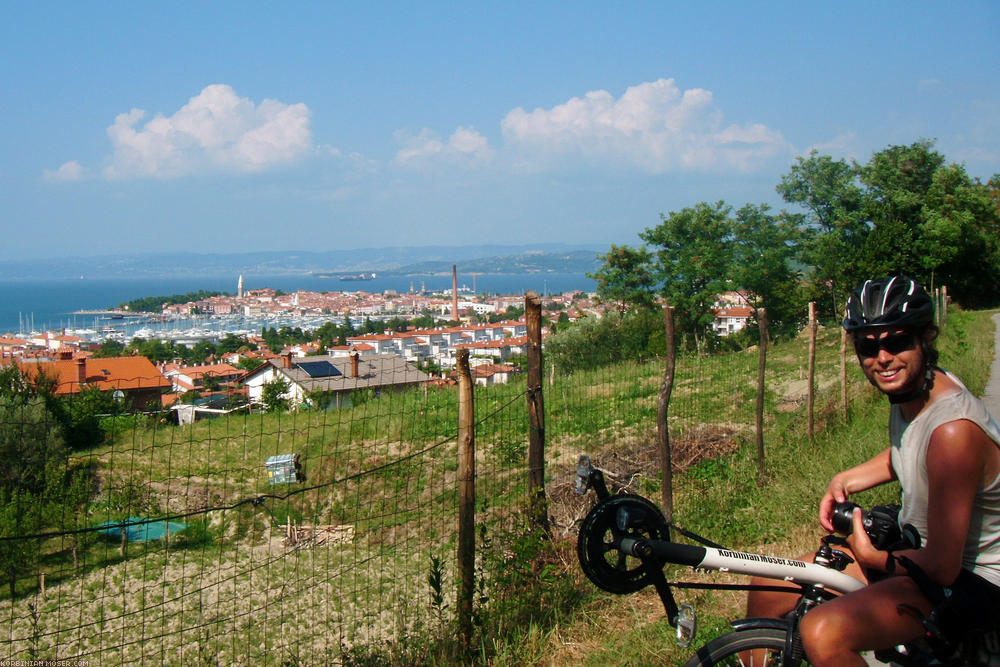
662, 425
466, 498
536, 411
811, 375
843, 371
762, 320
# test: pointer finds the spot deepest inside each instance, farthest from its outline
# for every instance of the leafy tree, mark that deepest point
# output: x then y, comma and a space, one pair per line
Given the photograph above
763, 248
20, 515
211, 383
693, 252
398, 324
232, 343
594, 342
200, 352
249, 363
625, 279
834, 226
32, 452
274, 394
69, 496
109, 348
992, 191
932, 221
157, 351
13, 387
961, 238
511, 313
424, 321
348, 328
30, 441
154, 304
898, 180
81, 414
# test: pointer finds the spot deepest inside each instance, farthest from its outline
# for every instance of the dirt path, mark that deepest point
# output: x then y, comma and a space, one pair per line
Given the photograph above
991, 397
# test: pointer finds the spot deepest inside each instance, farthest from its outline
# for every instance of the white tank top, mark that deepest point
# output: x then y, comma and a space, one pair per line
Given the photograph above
909, 441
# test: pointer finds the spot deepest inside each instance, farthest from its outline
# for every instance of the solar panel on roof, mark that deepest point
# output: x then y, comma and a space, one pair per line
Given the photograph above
319, 369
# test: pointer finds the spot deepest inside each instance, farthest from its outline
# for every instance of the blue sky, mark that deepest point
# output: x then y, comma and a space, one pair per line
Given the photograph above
237, 126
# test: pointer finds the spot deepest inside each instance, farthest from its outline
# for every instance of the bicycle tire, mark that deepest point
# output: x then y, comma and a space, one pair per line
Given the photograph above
725, 650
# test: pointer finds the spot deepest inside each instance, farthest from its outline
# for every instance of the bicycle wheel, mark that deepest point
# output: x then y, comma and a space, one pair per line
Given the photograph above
768, 645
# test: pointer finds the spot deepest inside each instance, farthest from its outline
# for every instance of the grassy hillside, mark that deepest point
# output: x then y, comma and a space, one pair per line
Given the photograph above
721, 499
383, 472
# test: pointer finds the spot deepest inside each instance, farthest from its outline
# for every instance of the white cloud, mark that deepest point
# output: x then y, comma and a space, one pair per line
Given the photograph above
215, 131
464, 146
653, 126
69, 171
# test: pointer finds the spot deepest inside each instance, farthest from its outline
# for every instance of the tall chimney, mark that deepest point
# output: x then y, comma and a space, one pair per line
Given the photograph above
286, 360
81, 370
354, 364
454, 292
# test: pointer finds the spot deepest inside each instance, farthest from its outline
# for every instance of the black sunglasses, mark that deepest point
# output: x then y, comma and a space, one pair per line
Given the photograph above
893, 344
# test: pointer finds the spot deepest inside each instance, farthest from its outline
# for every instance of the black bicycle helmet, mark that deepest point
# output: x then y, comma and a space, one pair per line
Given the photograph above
894, 301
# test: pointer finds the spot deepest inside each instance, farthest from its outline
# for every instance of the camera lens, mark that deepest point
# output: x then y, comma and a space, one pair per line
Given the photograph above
843, 522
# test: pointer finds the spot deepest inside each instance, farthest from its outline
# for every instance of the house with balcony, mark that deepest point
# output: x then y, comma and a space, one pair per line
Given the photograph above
730, 319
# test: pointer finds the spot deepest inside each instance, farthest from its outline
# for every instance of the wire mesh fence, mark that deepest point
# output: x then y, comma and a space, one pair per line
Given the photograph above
166, 543
162, 543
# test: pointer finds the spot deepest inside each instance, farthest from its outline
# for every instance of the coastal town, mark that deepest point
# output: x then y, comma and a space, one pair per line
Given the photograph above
491, 327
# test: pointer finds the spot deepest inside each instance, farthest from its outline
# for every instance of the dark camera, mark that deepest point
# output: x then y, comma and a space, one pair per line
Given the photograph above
881, 523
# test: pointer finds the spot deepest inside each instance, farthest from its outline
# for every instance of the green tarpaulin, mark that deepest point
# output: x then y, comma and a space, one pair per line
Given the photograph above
137, 531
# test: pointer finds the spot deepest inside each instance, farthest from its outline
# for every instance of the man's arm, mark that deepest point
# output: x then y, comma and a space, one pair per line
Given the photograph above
876, 470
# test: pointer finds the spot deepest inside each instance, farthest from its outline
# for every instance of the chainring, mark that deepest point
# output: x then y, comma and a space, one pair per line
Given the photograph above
624, 515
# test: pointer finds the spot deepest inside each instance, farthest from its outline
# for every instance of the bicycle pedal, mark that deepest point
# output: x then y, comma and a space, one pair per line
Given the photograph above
687, 625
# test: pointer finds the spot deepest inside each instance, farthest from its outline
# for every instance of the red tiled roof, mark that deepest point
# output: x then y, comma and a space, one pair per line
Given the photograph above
488, 370
10, 340
734, 311
210, 369
500, 342
106, 374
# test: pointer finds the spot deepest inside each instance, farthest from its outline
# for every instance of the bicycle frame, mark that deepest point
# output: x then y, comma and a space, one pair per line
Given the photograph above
624, 525
738, 562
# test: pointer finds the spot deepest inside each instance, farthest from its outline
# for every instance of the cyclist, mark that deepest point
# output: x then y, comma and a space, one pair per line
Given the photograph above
945, 452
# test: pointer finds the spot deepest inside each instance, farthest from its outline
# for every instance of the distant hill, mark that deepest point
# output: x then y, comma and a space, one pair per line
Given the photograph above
544, 257
574, 261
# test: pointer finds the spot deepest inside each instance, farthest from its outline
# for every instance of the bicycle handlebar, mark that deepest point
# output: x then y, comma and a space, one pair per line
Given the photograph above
663, 552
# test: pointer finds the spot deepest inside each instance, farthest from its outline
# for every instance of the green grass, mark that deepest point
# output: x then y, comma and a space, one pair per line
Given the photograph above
387, 468
723, 500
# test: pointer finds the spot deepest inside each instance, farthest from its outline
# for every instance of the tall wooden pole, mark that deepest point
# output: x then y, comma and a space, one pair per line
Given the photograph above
811, 391
843, 371
761, 365
536, 411
662, 421
454, 292
466, 497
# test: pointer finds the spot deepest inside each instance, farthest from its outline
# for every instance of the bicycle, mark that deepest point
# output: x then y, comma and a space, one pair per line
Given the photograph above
624, 543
